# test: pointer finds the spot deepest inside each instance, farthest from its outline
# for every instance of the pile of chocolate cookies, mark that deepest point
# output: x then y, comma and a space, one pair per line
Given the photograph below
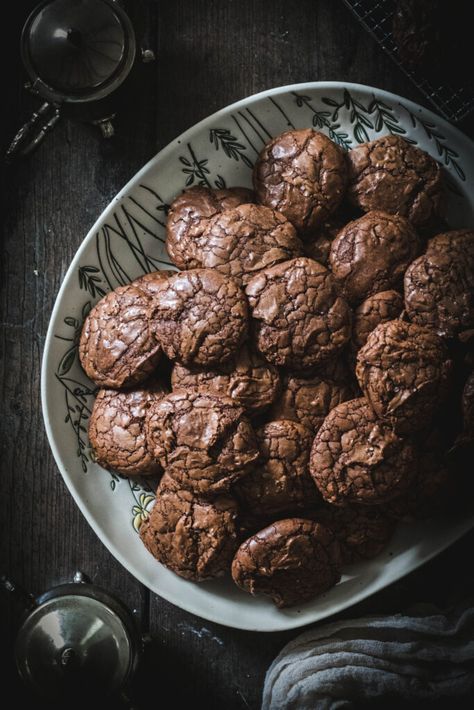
296, 385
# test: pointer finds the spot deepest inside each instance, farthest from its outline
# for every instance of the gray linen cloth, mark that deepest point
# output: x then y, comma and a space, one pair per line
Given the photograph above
349, 663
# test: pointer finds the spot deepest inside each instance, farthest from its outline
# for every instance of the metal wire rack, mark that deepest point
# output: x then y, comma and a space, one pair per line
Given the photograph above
452, 102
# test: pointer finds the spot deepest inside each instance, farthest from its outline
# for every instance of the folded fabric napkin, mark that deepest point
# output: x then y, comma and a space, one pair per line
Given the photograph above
352, 662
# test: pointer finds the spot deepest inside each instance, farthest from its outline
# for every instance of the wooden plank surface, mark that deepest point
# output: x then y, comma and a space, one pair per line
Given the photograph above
209, 53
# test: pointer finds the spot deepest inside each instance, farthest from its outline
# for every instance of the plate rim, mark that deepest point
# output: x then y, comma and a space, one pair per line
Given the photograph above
287, 623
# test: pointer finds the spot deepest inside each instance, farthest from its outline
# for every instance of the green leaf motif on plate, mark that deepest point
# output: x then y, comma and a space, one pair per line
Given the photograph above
89, 280
385, 118
195, 170
220, 183
321, 119
114, 479
223, 138
76, 394
358, 114
449, 156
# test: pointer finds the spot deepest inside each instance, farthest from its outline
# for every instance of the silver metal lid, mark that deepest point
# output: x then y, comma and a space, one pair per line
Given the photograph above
78, 641
77, 50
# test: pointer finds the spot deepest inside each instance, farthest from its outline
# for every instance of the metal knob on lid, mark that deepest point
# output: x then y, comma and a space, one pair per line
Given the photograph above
78, 642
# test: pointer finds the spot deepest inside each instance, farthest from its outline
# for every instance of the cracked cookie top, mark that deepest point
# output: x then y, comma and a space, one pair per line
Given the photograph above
247, 379
150, 282
371, 254
432, 480
309, 398
202, 440
299, 320
117, 430
317, 243
117, 348
290, 561
379, 308
403, 370
362, 531
439, 285
395, 176
189, 214
241, 242
358, 458
194, 538
280, 481
199, 317
303, 175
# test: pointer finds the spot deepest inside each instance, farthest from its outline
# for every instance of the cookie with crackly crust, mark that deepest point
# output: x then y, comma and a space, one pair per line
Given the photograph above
371, 254
303, 175
308, 398
203, 440
280, 481
291, 561
358, 458
439, 285
117, 430
150, 282
194, 538
362, 531
199, 317
241, 242
395, 176
379, 308
404, 371
117, 348
247, 378
299, 320
189, 214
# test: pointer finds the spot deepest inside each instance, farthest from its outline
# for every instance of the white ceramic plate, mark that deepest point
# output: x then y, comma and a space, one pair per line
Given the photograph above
128, 239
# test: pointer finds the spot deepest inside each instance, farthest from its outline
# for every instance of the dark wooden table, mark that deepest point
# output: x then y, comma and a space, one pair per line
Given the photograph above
209, 54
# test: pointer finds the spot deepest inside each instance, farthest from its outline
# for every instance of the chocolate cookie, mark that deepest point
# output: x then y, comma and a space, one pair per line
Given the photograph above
247, 379
317, 244
189, 214
290, 561
194, 538
357, 458
280, 482
298, 318
376, 309
202, 440
424, 496
395, 176
243, 241
362, 531
199, 317
371, 254
117, 430
151, 282
439, 285
403, 370
309, 399
117, 348
302, 174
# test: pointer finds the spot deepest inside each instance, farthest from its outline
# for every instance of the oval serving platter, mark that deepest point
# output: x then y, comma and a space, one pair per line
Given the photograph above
127, 240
